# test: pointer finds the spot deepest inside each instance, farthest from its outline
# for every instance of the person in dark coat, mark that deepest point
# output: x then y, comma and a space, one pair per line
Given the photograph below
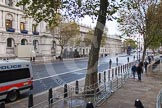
139, 70
149, 59
138, 104
134, 69
145, 65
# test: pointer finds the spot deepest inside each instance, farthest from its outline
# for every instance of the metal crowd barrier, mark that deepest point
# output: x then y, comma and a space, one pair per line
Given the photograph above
109, 81
159, 100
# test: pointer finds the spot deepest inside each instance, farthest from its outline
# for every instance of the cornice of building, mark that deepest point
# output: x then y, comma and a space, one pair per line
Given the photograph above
114, 37
11, 7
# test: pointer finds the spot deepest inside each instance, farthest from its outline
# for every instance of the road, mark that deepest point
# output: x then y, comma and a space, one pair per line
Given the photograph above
54, 74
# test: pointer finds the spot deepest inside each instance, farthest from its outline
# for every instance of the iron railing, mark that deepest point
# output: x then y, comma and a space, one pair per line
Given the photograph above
109, 81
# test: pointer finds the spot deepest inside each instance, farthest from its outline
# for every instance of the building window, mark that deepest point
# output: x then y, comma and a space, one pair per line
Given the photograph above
34, 27
23, 7
47, 28
35, 44
10, 42
53, 44
24, 42
9, 2
8, 24
22, 26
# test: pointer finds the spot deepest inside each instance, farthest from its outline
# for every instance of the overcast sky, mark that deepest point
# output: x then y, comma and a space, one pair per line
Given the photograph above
112, 25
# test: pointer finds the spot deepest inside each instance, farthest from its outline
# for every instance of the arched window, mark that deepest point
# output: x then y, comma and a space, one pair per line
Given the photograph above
34, 27
53, 44
8, 24
10, 42
9, 2
53, 49
35, 44
47, 28
22, 26
8, 21
24, 42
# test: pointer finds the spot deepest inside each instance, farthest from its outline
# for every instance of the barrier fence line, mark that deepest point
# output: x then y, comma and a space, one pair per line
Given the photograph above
109, 81
159, 100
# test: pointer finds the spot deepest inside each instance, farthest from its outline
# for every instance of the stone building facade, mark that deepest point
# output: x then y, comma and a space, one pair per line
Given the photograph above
113, 44
17, 29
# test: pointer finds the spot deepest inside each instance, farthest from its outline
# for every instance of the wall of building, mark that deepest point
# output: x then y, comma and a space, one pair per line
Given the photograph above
15, 14
44, 40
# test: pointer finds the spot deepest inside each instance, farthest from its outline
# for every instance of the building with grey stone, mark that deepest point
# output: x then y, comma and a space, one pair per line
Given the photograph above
18, 30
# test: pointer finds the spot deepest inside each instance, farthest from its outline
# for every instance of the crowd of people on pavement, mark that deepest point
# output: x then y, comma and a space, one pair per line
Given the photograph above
141, 67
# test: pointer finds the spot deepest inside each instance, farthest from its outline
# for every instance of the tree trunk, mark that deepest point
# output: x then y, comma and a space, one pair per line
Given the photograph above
61, 53
144, 53
92, 69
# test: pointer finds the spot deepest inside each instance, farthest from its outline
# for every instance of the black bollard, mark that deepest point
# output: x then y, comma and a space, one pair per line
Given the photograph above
89, 105
104, 76
65, 91
2, 105
138, 104
33, 59
108, 74
110, 63
50, 96
30, 58
99, 78
116, 72
112, 73
77, 87
117, 61
134, 57
30, 101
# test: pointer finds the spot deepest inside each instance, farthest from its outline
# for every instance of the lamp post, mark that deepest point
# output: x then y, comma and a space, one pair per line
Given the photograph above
139, 49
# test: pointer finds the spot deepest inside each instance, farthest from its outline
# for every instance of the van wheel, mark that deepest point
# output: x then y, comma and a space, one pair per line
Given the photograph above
12, 96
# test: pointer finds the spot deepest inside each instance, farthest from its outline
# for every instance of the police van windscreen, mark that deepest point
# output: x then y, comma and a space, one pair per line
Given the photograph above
12, 75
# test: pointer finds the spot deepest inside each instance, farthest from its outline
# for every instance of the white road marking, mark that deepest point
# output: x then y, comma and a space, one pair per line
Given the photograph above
58, 74
63, 73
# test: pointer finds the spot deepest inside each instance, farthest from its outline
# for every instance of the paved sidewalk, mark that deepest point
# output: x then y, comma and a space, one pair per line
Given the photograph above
146, 90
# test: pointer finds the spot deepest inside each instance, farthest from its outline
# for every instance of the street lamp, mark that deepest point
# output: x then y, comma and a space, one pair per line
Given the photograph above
139, 49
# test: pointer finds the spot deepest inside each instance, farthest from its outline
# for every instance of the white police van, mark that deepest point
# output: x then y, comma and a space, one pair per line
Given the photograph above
15, 78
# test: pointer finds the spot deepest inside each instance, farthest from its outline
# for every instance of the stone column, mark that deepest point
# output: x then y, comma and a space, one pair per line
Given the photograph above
18, 23
1, 19
2, 23
14, 22
27, 24
30, 25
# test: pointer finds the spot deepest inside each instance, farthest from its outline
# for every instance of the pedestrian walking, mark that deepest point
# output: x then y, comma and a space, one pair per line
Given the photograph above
152, 57
145, 65
134, 69
149, 59
139, 70
128, 59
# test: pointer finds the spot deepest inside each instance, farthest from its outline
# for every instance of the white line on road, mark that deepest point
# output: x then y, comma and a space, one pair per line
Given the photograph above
62, 73
58, 74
